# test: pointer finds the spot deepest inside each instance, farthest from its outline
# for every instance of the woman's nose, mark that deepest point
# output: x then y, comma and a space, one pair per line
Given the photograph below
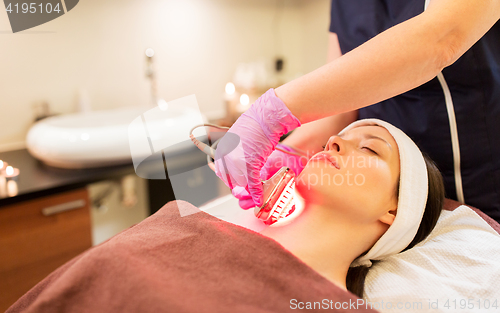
336, 144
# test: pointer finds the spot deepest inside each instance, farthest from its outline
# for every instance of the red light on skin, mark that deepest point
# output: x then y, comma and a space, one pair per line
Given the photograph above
274, 189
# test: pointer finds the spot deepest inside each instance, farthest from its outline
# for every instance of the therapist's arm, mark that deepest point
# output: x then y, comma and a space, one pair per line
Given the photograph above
311, 137
395, 61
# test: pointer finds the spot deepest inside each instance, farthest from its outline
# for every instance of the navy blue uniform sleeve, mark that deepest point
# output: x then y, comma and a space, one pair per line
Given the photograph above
332, 28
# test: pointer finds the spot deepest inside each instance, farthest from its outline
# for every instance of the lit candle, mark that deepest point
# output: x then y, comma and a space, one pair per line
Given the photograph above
231, 101
12, 189
11, 172
3, 165
244, 102
244, 99
3, 186
230, 91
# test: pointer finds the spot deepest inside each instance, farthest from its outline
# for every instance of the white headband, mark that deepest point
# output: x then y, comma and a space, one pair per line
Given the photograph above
413, 187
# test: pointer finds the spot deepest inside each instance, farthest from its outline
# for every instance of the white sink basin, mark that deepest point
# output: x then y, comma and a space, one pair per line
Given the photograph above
104, 138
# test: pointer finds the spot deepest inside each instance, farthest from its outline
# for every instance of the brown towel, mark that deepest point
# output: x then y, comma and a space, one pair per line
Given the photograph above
196, 263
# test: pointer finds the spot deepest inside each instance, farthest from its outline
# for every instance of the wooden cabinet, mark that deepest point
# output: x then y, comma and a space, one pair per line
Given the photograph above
38, 236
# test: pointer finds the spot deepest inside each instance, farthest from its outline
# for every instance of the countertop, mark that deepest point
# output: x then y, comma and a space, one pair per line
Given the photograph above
37, 179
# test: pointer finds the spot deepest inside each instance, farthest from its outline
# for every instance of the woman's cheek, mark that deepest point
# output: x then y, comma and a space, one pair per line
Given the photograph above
302, 185
379, 178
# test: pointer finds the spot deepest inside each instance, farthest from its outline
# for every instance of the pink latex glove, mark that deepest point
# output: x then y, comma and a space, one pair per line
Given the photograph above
243, 151
276, 160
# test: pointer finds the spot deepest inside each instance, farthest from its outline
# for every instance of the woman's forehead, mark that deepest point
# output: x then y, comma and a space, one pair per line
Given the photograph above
371, 131
369, 128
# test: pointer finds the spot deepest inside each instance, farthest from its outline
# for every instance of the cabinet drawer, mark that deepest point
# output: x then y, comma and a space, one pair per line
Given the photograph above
37, 236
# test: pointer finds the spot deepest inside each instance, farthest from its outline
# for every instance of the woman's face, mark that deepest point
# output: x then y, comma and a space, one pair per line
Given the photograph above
357, 174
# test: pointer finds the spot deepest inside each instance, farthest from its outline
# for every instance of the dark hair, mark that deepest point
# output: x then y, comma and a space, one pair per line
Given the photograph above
355, 281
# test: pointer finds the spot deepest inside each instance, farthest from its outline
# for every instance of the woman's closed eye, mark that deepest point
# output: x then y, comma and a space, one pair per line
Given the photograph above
369, 149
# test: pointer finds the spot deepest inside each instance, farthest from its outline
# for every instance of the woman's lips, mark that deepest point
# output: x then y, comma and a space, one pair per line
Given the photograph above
323, 156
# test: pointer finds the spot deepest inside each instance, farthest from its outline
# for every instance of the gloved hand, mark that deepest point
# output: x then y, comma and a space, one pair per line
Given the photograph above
243, 151
276, 160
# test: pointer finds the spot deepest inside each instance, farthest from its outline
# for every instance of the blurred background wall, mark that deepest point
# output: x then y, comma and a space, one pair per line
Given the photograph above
99, 47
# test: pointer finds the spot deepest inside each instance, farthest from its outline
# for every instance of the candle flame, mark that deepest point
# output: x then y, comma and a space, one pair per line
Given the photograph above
244, 99
1, 164
230, 88
9, 170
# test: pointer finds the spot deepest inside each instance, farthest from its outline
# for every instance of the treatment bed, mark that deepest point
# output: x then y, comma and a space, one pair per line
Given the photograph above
182, 259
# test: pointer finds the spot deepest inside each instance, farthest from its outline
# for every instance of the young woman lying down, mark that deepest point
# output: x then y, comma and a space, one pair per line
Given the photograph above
198, 263
370, 194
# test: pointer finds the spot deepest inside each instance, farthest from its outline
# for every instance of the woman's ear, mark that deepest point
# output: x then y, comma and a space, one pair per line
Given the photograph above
388, 217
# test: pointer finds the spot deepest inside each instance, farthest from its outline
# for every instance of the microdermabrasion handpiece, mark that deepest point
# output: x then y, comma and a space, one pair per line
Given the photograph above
278, 197
277, 191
